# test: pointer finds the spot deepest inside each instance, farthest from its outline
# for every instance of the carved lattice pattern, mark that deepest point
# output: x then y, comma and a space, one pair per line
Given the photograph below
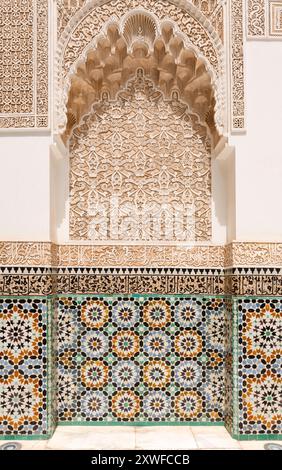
140, 170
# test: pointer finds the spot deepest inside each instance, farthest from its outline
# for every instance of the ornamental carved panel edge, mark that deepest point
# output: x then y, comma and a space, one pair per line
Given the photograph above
24, 68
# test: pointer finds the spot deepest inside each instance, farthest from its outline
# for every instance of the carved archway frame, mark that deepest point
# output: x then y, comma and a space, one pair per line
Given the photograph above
88, 22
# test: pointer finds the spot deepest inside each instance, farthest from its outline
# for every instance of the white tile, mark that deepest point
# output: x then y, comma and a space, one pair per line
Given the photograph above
213, 437
164, 438
93, 437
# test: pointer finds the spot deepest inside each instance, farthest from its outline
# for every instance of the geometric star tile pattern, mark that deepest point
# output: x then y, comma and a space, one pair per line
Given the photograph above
140, 358
259, 366
24, 374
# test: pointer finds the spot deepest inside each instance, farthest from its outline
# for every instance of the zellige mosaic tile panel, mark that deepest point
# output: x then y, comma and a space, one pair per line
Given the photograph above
140, 359
25, 376
259, 366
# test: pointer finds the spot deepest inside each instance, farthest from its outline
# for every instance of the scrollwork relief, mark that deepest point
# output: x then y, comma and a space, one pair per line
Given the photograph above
237, 66
256, 18
275, 19
140, 169
264, 19
240, 254
24, 63
77, 40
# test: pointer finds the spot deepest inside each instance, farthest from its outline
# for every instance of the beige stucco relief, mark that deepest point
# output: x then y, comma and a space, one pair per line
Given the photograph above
197, 33
24, 64
212, 9
140, 169
264, 19
261, 254
24, 104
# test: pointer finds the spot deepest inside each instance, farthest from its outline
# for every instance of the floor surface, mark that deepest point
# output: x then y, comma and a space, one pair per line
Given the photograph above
139, 438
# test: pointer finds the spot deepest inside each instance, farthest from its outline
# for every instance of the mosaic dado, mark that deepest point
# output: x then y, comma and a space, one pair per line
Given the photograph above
24, 64
264, 18
140, 359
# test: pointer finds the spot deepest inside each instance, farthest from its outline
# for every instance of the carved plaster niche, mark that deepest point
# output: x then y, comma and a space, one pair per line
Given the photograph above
88, 30
256, 18
158, 48
140, 168
24, 64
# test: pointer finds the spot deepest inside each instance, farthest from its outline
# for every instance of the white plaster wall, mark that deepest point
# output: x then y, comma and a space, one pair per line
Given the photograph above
24, 187
59, 193
259, 152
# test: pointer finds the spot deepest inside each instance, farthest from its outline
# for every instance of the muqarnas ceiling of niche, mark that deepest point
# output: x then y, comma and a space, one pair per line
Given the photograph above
140, 169
142, 43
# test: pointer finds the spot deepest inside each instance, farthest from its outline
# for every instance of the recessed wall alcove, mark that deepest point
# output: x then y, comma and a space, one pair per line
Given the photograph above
142, 129
140, 304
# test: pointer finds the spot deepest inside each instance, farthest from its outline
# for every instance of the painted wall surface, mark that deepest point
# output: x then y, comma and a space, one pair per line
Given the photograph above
259, 152
25, 187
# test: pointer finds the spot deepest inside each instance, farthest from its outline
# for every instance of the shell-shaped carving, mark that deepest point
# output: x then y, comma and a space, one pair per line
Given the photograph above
140, 27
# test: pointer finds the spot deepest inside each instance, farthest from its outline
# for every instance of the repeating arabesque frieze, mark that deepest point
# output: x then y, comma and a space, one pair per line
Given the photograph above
30, 90
212, 9
26, 253
207, 282
89, 255
94, 20
256, 17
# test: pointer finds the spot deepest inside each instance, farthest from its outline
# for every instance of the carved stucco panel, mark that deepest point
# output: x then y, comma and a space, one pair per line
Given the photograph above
241, 254
89, 23
275, 19
264, 19
237, 66
140, 170
256, 18
24, 63
213, 9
